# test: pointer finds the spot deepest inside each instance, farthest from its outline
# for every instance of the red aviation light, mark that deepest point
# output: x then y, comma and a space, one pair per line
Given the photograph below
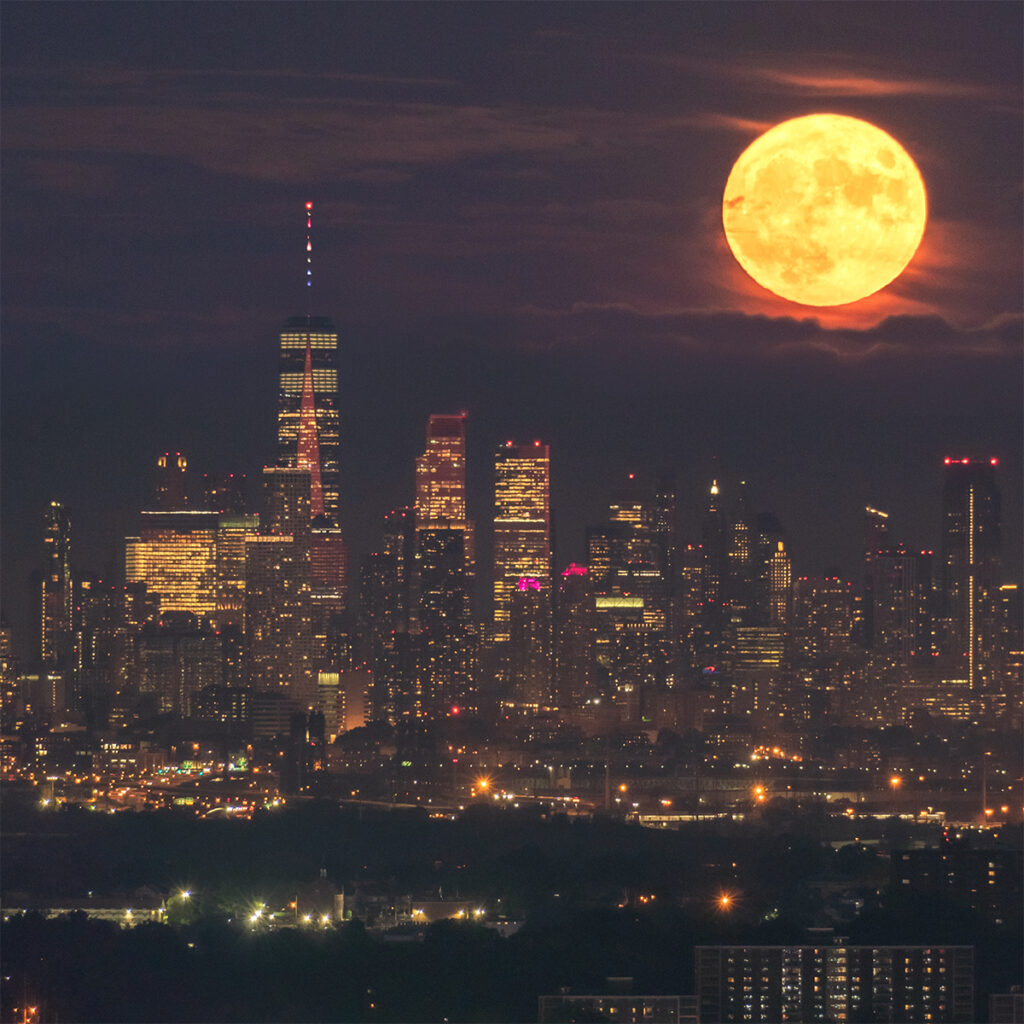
947, 460
993, 462
965, 462
309, 206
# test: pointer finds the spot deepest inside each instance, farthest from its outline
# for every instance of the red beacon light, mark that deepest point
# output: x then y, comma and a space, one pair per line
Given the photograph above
947, 460
309, 206
993, 462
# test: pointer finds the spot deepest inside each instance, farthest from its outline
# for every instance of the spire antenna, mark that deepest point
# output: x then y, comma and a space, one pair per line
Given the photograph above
309, 258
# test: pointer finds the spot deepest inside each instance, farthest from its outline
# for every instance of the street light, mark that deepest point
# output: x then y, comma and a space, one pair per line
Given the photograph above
725, 901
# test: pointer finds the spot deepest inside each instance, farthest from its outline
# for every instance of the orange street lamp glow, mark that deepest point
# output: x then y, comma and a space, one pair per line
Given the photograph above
824, 209
725, 901
895, 782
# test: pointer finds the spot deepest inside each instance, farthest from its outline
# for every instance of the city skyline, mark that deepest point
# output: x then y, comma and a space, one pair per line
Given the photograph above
447, 572
608, 321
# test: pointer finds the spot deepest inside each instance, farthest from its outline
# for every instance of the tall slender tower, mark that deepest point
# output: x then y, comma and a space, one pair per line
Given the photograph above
522, 526
876, 543
56, 600
307, 403
970, 562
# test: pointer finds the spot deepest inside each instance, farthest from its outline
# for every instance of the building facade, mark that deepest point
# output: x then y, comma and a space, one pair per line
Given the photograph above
522, 525
900, 984
308, 364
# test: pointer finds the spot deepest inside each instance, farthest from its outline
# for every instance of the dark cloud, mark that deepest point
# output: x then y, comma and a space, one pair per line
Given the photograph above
725, 334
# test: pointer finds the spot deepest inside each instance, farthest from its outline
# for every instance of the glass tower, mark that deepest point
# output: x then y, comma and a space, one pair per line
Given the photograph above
522, 525
308, 368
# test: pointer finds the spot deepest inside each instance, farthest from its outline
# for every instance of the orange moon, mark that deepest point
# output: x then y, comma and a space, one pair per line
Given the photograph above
824, 209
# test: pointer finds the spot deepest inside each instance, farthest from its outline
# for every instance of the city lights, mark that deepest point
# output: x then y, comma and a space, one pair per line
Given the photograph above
544, 617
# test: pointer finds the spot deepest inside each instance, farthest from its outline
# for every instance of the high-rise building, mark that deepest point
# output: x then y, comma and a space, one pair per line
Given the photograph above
632, 557
329, 555
171, 490
278, 608
779, 575
714, 547
278, 618
739, 589
894, 615
56, 598
175, 659
175, 556
530, 646
232, 534
876, 541
970, 563
444, 637
224, 493
835, 983
307, 409
822, 617
94, 627
385, 603
11, 703
575, 639
522, 526
441, 481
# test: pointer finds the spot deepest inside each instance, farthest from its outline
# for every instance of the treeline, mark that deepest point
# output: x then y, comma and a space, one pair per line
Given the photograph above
521, 858
80, 970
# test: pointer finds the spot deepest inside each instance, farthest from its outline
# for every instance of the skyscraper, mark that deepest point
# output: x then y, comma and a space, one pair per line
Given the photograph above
714, 544
895, 612
970, 562
56, 598
441, 480
779, 574
175, 556
444, 637
307, 407
522, 525
385, 598
278, 613
530, 646
171, 482
876, 542
576, 639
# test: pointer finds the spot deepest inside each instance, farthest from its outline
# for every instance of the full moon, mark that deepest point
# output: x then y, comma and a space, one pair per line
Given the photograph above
824, 209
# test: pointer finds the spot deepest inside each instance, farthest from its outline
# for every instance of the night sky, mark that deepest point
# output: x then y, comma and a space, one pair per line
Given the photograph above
517, 213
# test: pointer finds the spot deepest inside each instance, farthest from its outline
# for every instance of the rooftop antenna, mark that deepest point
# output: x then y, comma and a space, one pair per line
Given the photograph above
309, 259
